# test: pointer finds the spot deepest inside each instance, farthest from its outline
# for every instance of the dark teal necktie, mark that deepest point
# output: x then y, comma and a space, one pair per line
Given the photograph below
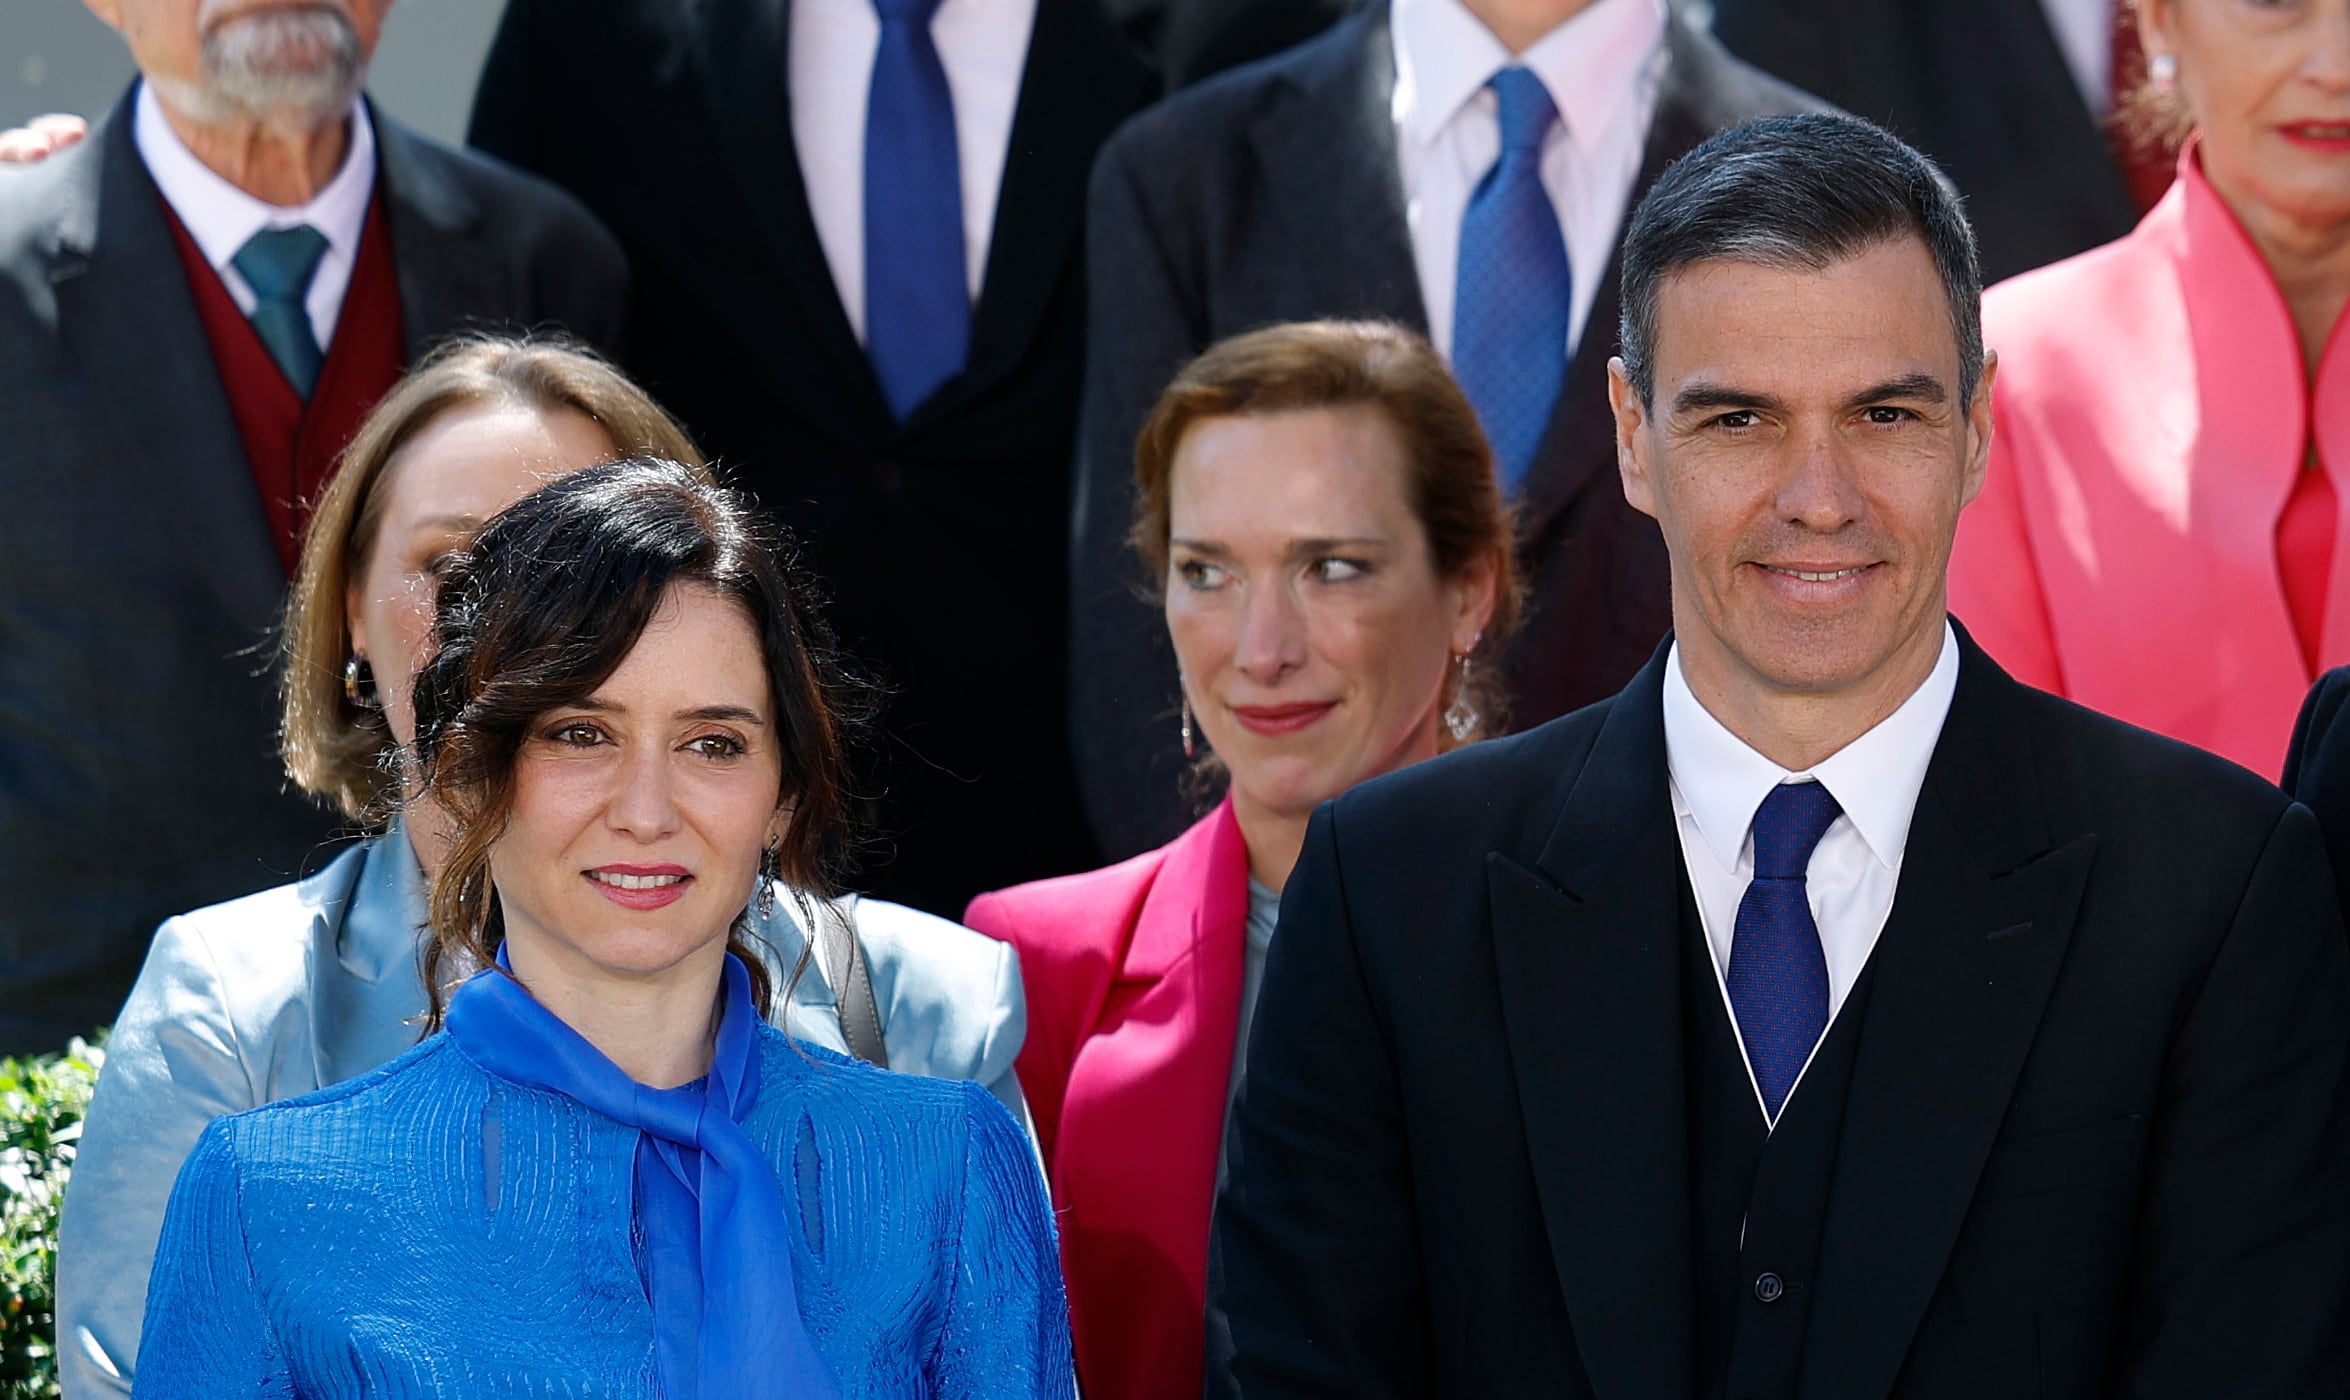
278, 263
917, 299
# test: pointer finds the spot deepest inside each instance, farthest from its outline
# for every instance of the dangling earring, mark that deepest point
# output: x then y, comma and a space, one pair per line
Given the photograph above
2163, 71
359, 683
1460, 717
770, 870
1190, 745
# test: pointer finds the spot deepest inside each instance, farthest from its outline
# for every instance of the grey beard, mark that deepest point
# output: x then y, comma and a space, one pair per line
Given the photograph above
294, 69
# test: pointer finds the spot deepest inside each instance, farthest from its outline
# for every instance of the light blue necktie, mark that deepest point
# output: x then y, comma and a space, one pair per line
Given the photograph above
278, 263
1778, 978
1515, 293
917, 301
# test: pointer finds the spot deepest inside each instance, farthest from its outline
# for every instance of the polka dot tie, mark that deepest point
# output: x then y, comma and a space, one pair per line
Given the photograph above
1778, 978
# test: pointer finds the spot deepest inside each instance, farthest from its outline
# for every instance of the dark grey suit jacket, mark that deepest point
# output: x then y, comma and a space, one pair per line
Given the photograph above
1979, 85
139, 585
1268, 194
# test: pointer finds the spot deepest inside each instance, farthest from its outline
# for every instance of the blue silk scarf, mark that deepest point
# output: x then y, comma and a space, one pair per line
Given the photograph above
717, 1226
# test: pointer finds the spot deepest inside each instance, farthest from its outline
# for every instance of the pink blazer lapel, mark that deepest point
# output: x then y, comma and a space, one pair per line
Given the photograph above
1142, 1124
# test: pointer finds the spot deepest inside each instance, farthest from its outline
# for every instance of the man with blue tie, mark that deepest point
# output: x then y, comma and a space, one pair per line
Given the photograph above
198, 305
856, 233
1826, 1014
1462, 167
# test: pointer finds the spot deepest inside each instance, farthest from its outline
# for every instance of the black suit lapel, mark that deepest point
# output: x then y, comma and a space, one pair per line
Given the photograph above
1588, 948
1080, 82
1329, 152
126, 315
741, 47
446, 276
1963, 970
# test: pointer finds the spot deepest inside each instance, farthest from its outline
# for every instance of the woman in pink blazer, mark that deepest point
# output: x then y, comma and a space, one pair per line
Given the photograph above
2165, 531
1318, 507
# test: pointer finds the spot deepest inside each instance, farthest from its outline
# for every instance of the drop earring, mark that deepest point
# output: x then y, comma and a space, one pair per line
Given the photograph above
770, 870
359, 683
1190, 743
1461, 717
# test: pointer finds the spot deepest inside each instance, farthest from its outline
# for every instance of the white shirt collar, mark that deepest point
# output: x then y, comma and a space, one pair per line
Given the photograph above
1444, 56
1721, 781
221, 217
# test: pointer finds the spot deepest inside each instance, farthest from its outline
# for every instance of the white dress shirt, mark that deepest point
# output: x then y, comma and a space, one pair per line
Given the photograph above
982, 44
2084, 31
1602, 70
221, 217
1718, 783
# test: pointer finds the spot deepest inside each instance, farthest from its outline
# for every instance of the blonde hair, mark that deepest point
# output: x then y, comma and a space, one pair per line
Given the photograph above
333, 748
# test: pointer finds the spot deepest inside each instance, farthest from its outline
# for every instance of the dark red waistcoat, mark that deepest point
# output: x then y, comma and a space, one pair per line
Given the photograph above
291, 446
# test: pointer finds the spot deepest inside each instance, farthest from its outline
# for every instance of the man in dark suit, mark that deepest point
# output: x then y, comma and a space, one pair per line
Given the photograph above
2317, 767
735, 148
1293, 190
2008, 95
1826, 1014
198, 304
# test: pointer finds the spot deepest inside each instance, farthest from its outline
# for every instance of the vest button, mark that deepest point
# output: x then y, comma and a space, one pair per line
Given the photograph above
1770, 1288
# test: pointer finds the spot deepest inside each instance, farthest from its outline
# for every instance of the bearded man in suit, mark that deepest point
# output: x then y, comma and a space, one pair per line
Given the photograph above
1826, 1014
198, 305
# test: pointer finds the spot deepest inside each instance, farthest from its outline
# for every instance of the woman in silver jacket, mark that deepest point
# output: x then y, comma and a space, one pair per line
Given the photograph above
303, 986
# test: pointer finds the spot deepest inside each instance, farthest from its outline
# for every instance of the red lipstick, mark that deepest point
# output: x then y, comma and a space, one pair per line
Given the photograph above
640, 887
1274, 721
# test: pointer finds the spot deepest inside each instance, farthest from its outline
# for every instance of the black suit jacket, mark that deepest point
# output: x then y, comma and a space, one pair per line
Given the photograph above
941, 539
2317, 767
139, 774
1272, 194
2094, 1143
1979, 85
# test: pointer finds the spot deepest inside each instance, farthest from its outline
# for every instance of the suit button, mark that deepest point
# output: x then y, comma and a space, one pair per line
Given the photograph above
1770, 1288
889, 476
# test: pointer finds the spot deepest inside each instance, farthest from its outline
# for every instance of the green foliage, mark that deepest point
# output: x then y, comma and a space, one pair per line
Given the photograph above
41, 1103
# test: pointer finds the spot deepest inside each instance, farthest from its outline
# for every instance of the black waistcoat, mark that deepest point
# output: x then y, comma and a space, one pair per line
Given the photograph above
1759, 1196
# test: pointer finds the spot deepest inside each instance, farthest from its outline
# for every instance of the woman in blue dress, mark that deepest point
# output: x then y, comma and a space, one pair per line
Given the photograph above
604, 1174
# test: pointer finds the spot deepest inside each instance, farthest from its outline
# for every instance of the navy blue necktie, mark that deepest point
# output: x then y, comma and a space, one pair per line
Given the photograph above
278, 263
1778, 977
1514, 298
917, 301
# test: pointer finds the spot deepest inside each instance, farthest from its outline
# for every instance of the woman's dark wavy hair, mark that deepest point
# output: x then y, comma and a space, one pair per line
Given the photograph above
548, 603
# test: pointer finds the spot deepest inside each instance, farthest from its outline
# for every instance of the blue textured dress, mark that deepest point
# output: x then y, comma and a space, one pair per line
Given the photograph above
430, 1229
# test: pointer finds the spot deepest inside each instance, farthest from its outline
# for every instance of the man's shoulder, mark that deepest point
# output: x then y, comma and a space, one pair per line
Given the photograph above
1495, 794
1716, 89
1197, 124
522, 207
37, 201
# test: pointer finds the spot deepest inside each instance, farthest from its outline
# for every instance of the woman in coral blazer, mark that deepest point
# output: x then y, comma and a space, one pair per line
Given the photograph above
1319, 508
2165, 532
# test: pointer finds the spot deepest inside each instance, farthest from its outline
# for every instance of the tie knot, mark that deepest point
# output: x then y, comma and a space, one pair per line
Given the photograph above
1790, 822
1526, 111
915, 12
277, 263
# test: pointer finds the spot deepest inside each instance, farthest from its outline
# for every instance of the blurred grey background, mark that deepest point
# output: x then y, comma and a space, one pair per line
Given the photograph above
55, 56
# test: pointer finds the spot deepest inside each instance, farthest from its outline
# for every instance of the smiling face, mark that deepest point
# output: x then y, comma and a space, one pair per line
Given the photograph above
2269, 84
464, 467
1313, 631
1806, 457
640, 813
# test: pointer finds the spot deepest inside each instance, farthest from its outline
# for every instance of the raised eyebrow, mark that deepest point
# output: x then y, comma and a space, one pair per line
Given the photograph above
1921, 387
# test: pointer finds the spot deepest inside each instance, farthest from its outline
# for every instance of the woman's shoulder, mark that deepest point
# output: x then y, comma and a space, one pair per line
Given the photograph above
1070, 913
263, 937
361, 1115
846, 1100
2092, 298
